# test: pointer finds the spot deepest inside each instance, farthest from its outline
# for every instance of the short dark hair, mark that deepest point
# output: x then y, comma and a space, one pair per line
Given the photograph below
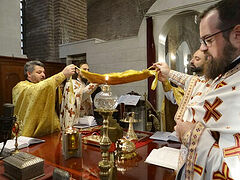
82, 63
229, 14
29, 66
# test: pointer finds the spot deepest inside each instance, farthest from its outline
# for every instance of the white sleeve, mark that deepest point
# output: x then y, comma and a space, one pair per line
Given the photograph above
169, 95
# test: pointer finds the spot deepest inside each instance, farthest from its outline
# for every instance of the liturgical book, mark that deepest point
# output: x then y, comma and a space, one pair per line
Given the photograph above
165, 157
165, 136
22, 143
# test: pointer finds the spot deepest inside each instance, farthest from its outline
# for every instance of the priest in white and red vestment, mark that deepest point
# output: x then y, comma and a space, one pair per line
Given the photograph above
76, 101
208, 119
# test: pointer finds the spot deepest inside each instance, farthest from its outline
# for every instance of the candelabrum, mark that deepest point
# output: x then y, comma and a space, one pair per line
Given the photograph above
15, 132
105, 143
105, 104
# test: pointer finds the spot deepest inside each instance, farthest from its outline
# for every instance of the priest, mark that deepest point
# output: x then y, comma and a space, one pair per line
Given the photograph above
77, 101
207, 121
34, 100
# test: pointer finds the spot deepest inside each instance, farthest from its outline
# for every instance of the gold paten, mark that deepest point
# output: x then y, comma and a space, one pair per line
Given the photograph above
21, 166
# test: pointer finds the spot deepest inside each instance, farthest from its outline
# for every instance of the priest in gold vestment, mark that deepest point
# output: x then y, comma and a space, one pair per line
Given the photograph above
34, 100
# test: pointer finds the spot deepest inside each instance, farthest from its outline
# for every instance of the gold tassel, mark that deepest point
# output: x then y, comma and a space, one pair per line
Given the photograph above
155, 82
71, 96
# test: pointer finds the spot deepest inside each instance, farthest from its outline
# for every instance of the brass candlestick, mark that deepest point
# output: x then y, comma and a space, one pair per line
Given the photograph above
105, 103
130, 118
105, 165
15, 132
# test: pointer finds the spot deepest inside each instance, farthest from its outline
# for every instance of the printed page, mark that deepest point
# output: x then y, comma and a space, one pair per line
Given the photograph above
165, 136
165, 157
22, 143
129, 99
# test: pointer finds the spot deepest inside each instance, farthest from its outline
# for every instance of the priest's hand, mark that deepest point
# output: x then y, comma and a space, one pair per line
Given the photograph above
182, 128
163, 70
69, 70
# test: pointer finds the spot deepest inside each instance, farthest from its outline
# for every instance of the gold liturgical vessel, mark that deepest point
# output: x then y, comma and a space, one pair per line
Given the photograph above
130, 118
105, 104
71, 143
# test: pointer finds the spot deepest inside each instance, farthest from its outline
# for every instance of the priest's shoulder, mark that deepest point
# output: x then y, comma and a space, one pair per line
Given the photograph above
23, 84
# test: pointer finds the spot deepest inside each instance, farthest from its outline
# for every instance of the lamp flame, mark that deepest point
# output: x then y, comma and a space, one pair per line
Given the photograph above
106, 77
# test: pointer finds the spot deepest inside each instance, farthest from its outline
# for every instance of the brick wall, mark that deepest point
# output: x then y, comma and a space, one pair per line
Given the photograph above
53, 22
116, 19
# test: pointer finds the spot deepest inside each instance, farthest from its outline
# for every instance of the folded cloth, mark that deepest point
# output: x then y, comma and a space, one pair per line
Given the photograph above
87, 120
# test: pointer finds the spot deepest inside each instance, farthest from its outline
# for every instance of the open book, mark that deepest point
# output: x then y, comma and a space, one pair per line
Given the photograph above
165, 136
165, 157
22, 143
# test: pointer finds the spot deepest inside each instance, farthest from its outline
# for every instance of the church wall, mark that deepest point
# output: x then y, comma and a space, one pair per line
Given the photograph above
116, 19
50, 23
10, 32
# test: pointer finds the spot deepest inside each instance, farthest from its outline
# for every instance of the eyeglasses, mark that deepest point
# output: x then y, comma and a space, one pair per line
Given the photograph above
208, 42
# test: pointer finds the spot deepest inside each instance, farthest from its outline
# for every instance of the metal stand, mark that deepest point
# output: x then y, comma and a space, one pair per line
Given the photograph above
105, 165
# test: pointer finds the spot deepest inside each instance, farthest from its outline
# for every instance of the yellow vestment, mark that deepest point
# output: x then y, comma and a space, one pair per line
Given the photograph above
168, 109
35, 106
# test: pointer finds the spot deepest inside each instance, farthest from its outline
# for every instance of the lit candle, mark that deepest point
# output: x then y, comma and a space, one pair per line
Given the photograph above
106, 78
69, 130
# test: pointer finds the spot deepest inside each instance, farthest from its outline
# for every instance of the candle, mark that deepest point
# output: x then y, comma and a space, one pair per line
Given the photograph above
106, 78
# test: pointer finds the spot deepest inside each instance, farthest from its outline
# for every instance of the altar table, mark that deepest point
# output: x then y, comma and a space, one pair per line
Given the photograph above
86, 167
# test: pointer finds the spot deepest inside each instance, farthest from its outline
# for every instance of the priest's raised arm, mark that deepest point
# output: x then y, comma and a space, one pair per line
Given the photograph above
34, 100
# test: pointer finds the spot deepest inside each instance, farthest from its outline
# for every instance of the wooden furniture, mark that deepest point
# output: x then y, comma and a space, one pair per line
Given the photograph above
11, 72
87, 166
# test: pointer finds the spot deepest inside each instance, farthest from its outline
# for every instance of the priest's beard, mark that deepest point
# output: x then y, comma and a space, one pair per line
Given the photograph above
197, 70
84, 80
216, 66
